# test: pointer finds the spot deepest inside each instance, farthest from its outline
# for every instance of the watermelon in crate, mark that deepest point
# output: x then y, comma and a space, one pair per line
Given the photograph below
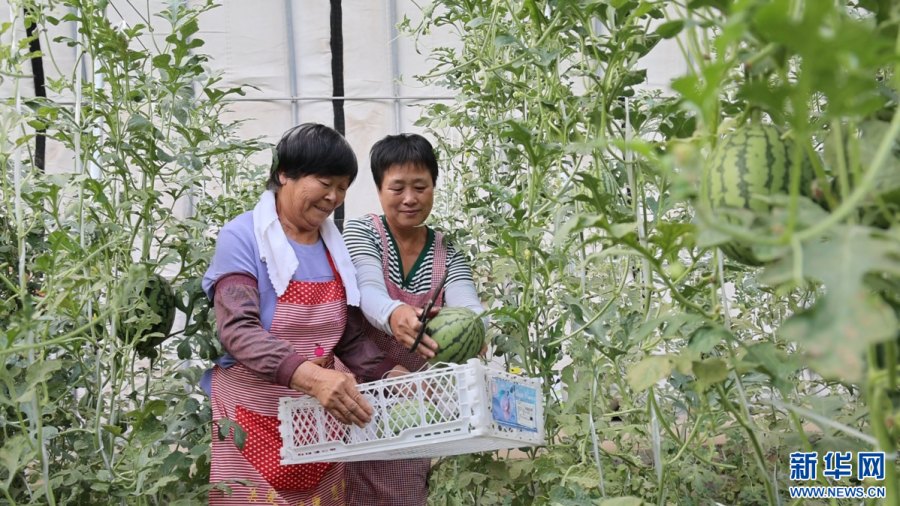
441, 411
410, 413
459, 333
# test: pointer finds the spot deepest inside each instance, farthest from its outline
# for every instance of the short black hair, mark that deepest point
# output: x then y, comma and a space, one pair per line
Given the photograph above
312, 149
402, 149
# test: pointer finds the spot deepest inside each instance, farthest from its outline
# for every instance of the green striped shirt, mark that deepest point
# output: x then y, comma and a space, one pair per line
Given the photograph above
362, 238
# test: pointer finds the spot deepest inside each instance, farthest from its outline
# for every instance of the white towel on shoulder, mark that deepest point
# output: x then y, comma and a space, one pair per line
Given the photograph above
279, 257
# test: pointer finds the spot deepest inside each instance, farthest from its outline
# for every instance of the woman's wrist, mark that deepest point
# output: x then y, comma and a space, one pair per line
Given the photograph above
304, 377
387, 326
284, 375
397, 316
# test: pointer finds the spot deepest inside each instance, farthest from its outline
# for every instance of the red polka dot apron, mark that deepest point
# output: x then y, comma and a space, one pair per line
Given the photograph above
311, 316
396, 482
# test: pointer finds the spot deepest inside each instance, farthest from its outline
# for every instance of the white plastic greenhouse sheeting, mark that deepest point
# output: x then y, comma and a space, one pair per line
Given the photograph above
249, 43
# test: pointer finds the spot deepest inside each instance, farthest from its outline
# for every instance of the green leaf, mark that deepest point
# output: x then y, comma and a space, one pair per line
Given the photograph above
620, 230
848, 317
767, 358
647, 372
517, 132
672, 237
240, 436
41, 371
702, 92
504, 39
156, 407
113, 429
101, 487
588, 479
225, 426
184, 349
159, 483
709, 237
705, 338
189, 28
162, 61
670, 29
138, 123
14, 455
476, 22
709, 372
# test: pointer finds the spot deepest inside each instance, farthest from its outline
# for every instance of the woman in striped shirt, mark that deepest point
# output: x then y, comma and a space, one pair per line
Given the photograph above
400, 262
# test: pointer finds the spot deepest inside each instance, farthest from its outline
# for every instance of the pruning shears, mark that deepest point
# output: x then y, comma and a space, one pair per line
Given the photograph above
423, 318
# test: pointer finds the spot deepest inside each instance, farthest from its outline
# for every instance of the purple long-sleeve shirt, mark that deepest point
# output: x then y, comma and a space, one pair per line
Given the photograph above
244, 299
242, 335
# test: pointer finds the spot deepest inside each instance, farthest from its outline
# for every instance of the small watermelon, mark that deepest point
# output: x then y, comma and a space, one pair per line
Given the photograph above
459, 333
160, 298
407, 414
752, 161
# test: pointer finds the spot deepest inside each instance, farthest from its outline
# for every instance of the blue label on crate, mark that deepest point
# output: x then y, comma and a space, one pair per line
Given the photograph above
513, 405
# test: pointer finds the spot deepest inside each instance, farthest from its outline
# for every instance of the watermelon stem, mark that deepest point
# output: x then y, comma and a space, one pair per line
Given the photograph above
795, 175
755, 114
842, 175
831, 200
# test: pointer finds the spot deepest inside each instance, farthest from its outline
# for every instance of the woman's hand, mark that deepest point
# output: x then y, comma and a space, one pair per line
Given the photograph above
335, 390
397, 371
405, 326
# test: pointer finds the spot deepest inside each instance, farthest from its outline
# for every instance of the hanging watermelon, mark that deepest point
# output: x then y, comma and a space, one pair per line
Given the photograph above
752, 161
157, 293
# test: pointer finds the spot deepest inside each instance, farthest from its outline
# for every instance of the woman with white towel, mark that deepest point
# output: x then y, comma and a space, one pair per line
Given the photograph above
287, 311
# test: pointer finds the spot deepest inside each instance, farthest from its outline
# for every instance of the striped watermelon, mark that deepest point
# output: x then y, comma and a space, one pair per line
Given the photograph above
160, 298
459, 333
752, 161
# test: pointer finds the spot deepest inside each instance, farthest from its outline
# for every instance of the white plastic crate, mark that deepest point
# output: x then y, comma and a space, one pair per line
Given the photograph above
451, 410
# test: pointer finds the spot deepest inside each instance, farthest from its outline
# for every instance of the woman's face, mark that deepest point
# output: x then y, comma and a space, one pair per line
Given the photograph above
407, 195
304, 203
